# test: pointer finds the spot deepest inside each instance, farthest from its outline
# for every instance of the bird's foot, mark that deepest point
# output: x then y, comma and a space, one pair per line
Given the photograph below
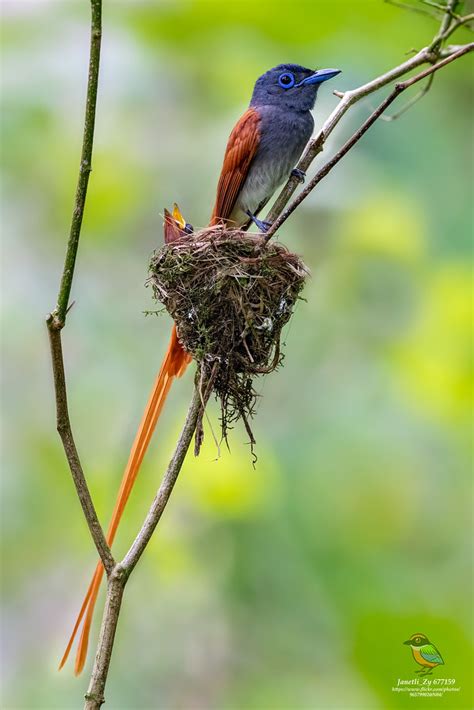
298, 174
263, 226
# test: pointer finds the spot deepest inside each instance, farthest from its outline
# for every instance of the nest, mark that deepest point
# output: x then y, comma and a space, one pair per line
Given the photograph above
230, 296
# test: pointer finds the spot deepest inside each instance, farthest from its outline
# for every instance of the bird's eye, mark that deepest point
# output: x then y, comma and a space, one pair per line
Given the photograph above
286, 80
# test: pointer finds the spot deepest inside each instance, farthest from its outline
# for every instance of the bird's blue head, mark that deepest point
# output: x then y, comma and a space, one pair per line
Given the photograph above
291, 86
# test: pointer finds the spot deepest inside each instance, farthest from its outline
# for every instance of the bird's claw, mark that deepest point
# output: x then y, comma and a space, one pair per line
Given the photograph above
263, 226
300, 175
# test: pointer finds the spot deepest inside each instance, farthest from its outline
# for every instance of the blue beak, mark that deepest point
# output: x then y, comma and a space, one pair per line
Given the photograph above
321, 75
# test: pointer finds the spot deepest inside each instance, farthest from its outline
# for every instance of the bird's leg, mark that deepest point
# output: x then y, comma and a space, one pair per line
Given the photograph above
263, 226
300, 175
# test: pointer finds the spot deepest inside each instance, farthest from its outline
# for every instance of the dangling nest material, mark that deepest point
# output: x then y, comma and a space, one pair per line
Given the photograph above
230, 298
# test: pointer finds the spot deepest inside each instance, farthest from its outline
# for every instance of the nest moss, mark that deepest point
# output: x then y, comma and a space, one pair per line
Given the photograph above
230, 297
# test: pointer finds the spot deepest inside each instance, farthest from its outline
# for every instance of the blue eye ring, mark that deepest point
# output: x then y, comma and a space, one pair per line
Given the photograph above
286, 80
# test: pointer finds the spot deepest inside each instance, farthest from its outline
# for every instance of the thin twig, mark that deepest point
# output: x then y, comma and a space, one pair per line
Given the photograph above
417, 97
462, 22
161, 499
118, 579
399, 88
65, 432
57, 319
427, 55
446, 22
85, 166
94, 697
445, 9
207, 379
412, 8
119, 573
348, 99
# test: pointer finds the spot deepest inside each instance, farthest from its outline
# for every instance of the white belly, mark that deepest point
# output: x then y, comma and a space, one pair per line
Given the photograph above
262, 181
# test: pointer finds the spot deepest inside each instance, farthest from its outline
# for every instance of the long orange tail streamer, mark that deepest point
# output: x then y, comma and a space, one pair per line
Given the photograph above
175, 363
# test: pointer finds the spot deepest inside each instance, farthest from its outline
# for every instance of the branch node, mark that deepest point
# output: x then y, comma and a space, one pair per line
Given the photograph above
93, 697
53, 322
119, 574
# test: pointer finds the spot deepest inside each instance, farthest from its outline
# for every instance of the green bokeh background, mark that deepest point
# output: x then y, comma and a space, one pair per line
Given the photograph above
293, 585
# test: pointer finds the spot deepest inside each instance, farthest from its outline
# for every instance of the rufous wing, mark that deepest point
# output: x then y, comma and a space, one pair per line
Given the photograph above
241, 148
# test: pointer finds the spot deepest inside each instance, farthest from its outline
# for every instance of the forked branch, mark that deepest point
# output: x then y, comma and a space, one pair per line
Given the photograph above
326, 169
118, 573
428, 55
118, 579
57, 318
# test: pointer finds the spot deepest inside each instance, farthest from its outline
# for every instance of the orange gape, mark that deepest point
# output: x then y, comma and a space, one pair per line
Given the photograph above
175, 363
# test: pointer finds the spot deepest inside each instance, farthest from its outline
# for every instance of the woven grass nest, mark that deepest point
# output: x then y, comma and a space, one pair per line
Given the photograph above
230, 296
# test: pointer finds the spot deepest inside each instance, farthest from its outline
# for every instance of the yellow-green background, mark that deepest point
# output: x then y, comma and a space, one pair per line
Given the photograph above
294, 585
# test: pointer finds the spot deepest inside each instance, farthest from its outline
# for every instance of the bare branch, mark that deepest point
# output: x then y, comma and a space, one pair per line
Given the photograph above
428, 55
462, 22
413, 8
161, 499
449, 24
57, 319
85, 167
119, 573
447, 9
117, 581
399, 88
348, 99
65, 432
417, 97
94, 697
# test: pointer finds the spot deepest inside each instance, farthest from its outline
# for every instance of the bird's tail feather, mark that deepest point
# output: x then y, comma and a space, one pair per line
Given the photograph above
175, 363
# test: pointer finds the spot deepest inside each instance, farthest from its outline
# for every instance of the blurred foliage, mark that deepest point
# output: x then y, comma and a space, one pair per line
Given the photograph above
295, 584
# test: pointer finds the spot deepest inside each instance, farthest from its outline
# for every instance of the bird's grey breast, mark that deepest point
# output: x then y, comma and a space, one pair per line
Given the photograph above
283, 136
